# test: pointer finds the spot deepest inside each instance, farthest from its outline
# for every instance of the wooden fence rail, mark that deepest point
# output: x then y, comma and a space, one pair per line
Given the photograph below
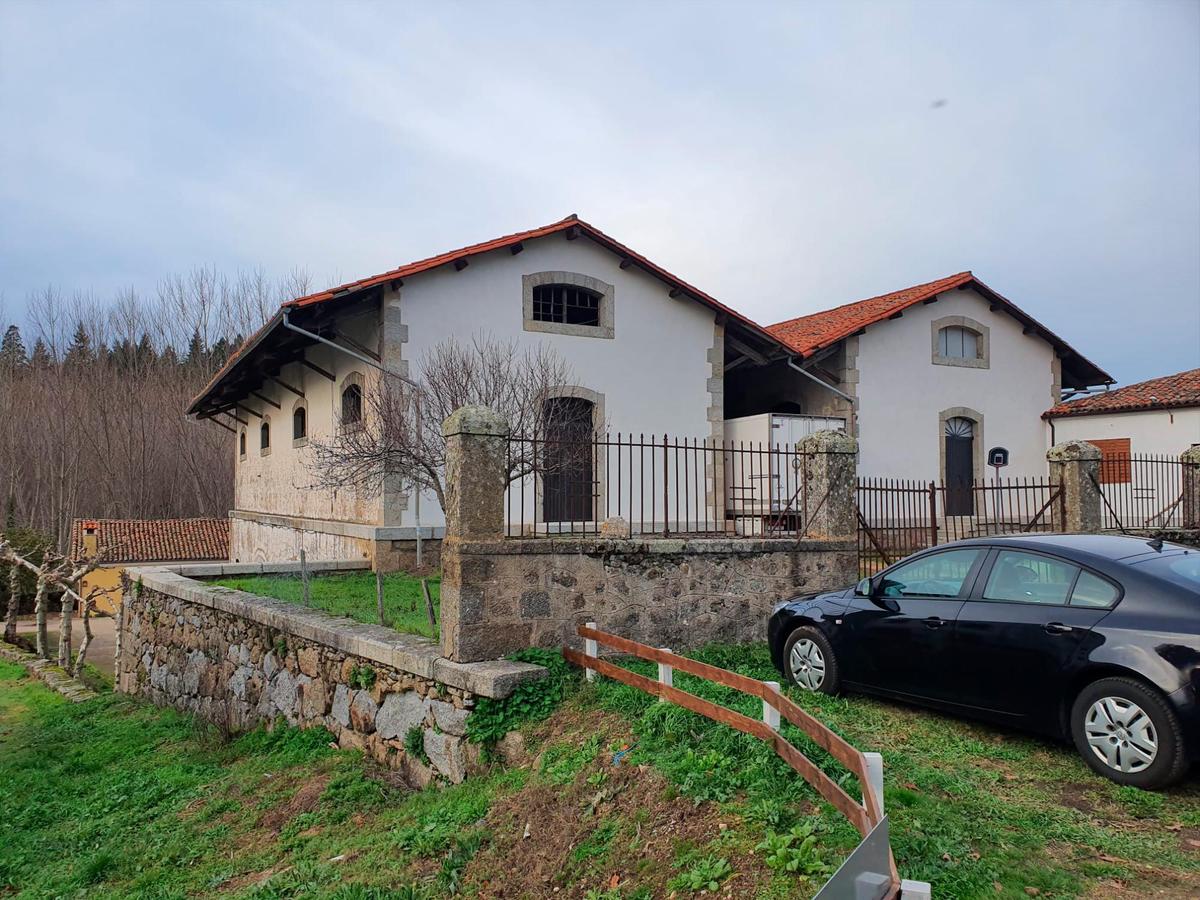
863, 816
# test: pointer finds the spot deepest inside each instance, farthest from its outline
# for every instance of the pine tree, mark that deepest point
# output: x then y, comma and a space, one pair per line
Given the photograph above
195, 351
12, 349
80, 350
40, 358
145, 354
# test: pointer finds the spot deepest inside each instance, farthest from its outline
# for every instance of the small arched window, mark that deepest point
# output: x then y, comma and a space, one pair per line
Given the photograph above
242, 443
957, 342
264, 436
352, 402
299, 424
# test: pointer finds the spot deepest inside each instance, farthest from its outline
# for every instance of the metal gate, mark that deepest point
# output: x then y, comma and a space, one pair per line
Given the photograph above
898, 517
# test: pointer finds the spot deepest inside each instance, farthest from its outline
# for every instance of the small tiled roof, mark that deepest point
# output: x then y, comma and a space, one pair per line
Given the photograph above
809, 334
155, 540
1168, 392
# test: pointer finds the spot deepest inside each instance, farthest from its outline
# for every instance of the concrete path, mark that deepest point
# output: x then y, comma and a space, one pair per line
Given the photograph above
100, 651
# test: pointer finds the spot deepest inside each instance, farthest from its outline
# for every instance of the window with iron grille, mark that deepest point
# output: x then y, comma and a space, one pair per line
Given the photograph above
566, 304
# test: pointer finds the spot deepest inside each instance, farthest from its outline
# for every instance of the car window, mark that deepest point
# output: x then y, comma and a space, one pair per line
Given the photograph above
936, 575
1092, 590
1020, 577
1181, 568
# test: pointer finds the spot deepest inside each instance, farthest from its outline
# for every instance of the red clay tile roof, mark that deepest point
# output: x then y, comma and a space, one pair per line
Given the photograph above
453, 256
1169, 392
808, 334
155, 540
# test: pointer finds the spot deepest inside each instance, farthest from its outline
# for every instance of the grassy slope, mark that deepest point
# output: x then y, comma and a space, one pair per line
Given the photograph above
154, 806
353, 595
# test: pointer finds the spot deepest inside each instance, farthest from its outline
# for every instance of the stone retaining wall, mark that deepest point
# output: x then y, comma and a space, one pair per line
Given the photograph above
674, 593
240, 660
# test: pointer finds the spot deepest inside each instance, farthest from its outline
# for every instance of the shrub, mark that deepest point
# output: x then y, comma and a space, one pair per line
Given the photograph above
532, 701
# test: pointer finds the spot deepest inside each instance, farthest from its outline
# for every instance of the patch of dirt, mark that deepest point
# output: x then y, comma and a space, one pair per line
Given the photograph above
250, 879
304, 800
652, 824
1189, 840
1173, 886
1074, 795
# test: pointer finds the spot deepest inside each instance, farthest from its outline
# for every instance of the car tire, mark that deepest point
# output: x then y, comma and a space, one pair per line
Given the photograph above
1099, 718
815, 667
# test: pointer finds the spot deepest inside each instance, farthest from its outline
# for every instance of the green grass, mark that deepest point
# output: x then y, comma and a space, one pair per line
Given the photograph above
353, 595
970, 807
116, 798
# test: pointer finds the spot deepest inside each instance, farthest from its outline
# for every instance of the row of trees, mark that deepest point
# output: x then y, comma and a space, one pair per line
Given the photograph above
92, 396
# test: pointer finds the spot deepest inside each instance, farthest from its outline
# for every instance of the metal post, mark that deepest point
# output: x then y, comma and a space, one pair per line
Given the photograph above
933, 528
666, 492
589, 649
770, 711
666, 673
303, 575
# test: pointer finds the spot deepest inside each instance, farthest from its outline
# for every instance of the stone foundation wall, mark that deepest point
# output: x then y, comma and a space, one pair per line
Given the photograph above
240, 661
668, 593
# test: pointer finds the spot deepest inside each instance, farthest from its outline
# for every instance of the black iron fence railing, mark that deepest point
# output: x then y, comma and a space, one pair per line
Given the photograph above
1142, 492
657, 484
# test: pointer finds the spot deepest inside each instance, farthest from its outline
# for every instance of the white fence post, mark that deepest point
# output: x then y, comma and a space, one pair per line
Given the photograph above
915, 890
770, 711
875, 777
666, 673
589, 649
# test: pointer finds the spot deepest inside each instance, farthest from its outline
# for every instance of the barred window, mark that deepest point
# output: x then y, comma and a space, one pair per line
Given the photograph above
566, 303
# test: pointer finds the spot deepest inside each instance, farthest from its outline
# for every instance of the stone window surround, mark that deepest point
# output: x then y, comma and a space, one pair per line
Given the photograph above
599, 425
964, 412
353, 377
303, 440
242, 445
264, 428
606, 291
984, 360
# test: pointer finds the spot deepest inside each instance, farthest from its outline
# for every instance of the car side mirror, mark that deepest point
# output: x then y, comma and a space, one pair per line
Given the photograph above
863, 588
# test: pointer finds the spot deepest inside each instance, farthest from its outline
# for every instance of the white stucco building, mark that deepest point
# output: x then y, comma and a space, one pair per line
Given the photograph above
1160, 417
927, 378
934, 376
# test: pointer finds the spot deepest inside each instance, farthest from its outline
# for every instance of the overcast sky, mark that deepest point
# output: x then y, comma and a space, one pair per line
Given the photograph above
783, 157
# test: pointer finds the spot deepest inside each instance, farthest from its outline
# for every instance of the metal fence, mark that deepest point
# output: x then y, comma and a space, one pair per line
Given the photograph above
897, 517
658, 484
1142, 491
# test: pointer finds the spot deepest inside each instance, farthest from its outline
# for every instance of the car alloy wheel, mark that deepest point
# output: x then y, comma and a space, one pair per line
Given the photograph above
808, 664
1121, 734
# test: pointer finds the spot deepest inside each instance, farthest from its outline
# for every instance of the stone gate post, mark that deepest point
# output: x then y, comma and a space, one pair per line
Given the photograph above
1076, 466
1191, 486
829, 459
476, 445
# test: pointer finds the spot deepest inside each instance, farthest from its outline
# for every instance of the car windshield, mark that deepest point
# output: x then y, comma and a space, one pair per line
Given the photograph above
1180, 568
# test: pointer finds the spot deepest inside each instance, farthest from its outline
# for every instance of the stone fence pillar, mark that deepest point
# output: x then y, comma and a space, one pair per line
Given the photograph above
1191, 486
476, 446
829, 463
1075, 465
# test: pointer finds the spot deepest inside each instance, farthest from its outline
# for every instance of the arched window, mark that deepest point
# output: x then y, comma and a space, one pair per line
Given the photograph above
567, 303
242, 443
264, 436
956, 342
352, 404
299, 423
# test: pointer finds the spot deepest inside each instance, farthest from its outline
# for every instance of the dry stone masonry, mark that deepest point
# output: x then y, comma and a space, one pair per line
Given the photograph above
239, 661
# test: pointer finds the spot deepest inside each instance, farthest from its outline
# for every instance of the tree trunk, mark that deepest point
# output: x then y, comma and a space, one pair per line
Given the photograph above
64, 631
14, 598
39, 610
86, 611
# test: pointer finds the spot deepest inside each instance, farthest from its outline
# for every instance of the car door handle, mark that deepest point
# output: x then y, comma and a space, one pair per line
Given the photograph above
935, 622
1058, 628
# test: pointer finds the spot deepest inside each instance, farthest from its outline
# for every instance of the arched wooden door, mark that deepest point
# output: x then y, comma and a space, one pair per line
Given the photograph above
568, 482
960, 466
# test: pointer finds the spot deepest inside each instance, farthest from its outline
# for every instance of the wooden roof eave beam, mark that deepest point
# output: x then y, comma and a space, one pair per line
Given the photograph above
283, 384
746, 350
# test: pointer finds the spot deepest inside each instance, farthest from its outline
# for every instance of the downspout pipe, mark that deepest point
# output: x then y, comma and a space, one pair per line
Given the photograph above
807, 374
366, 360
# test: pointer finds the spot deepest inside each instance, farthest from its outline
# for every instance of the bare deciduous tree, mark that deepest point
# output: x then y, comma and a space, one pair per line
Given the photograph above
399, 435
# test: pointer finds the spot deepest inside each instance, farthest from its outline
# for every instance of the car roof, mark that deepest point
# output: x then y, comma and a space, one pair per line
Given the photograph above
1112, 547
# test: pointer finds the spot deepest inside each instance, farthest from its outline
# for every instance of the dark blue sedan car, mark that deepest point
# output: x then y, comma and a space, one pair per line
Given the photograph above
1090, 638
